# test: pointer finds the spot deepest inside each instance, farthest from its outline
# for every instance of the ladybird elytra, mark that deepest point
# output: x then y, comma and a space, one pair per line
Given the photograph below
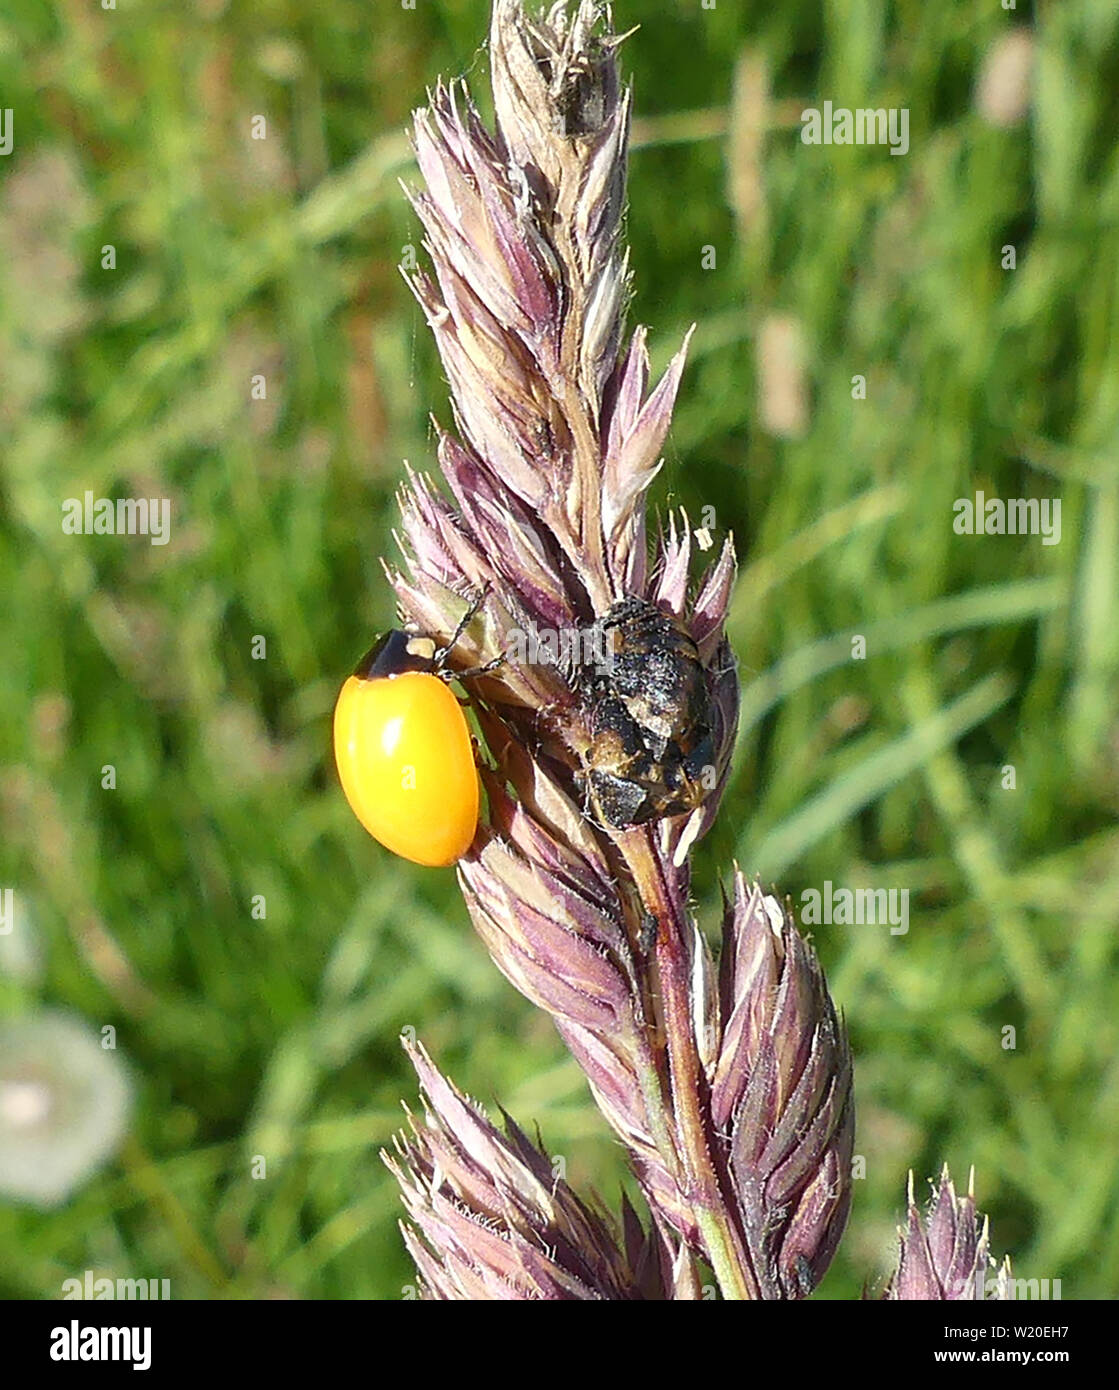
404, 753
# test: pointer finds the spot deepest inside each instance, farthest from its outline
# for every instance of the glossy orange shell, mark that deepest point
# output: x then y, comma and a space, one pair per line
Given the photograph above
406, 762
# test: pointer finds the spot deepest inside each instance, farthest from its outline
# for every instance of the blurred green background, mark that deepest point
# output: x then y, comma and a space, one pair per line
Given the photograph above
236, 257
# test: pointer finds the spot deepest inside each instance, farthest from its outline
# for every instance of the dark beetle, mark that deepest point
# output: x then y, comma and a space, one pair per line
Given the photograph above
649, 710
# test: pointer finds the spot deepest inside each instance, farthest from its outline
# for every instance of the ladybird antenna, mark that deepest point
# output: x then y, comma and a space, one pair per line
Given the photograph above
464, 622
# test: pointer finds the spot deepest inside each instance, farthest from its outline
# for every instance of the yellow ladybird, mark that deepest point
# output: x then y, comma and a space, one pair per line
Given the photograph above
404, 752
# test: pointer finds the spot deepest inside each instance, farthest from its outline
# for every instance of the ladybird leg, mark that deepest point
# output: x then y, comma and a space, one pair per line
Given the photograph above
480, 670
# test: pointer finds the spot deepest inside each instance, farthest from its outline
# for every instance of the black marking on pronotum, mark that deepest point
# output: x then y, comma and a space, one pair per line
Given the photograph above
392, 655
396, 652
